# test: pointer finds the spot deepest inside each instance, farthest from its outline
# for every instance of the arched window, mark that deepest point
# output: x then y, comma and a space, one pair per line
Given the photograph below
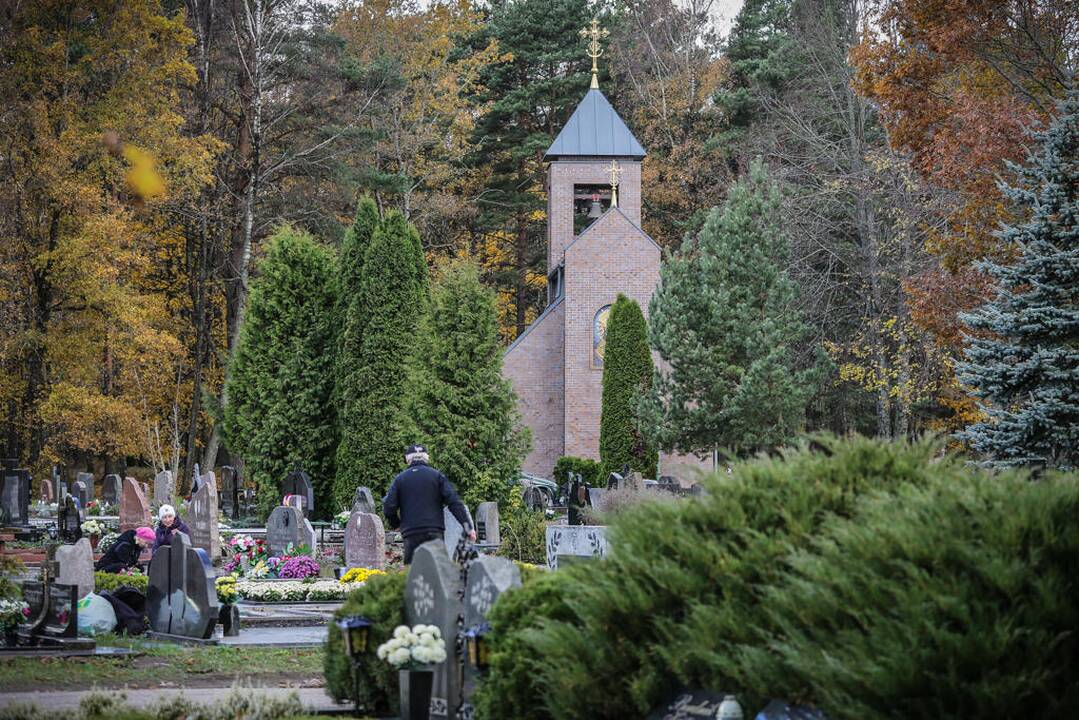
599, 335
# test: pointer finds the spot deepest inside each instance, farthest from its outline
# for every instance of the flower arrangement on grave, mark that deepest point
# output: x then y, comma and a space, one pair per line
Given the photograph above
413, 648
129, 572
358, 575
92, 527
107, 541
300, 566
226, 589
248, 553
12, 612
340, 520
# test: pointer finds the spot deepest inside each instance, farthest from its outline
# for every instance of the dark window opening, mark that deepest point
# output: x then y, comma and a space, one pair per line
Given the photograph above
589, 202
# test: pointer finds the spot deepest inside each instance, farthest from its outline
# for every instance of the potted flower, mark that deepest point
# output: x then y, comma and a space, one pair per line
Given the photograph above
298, 567
230, 614
12, 612
413, 651
94, 529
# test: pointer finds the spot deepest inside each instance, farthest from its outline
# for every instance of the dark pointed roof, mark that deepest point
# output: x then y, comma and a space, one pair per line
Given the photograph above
595, 130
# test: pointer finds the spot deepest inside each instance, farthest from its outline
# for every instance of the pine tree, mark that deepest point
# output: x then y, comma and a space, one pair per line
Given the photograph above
281, 382
627, 378
722, 320
1025, 367
463, 409
392, 302
351, 320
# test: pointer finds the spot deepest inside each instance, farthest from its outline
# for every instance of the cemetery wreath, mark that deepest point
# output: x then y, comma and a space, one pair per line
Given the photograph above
413, 648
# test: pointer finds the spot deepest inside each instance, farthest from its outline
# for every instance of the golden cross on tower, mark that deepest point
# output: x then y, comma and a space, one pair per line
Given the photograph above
594, 33
616, 173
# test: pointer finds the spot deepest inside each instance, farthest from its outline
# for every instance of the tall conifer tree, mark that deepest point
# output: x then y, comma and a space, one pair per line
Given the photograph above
1025, 368
627, 379
393, 302
723, 321
281, 382
463, 408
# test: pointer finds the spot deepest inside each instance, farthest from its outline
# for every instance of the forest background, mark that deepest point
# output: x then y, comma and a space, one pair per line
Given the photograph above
148, 148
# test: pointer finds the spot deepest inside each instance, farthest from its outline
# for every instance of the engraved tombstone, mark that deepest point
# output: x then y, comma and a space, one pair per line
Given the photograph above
111, 487
568, 543
365, 541
433, 597
454, 530
488, 578
134, 510
76, 566
299, 483
87, 479
35, 595
61, 620
487, 524
181, 599
287, 525
15, 496
202, 512
163, 487
363, 500
69, 520
47, 492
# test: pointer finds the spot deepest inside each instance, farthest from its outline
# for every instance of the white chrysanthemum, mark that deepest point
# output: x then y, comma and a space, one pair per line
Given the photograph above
421, 654
401, 631
383, 651
438, 655
400, 656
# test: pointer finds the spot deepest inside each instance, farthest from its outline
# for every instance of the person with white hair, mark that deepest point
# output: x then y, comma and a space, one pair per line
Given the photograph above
169, 523
415, 500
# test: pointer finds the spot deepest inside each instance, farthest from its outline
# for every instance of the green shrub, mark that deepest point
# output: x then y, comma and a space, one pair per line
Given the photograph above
524, 533
241, 703
590, 470
877, 580
108, 582
382, 601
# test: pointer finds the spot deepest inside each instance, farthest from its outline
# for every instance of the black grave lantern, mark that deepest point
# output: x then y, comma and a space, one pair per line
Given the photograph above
478, 646
355, 631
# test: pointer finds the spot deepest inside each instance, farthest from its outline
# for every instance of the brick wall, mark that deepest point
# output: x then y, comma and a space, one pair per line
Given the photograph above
563, 175
534, 366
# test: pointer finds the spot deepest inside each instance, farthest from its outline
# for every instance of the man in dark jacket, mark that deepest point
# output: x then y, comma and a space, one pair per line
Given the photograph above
415, 500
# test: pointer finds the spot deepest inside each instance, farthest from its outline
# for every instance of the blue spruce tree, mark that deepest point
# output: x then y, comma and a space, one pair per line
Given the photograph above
1024, 362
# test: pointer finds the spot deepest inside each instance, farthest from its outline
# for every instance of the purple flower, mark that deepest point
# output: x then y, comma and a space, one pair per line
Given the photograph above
299, 567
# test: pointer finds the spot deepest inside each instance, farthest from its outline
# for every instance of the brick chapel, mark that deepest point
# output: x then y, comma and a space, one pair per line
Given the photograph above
596, 249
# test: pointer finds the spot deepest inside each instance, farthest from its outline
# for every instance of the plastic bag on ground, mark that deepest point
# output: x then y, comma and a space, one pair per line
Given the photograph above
95, 615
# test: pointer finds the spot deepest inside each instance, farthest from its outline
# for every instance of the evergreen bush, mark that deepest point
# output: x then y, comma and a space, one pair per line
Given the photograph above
876, 580
590, 470
108, 582
523, 531
280, 412
382, 601
627, 380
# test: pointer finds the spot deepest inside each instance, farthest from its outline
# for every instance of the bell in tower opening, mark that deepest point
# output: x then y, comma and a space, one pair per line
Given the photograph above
589, 204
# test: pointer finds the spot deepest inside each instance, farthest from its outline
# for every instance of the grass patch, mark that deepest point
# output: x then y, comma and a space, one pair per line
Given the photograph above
175, 665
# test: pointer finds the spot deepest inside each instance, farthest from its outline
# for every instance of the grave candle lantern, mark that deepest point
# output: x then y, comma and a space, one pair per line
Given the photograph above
477, 645
355, 631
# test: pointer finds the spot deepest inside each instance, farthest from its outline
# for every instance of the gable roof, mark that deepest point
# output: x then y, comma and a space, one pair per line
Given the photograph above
603, 218
595, 130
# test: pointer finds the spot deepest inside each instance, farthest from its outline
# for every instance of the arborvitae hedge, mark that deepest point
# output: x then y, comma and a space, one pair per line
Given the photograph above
590, 470
627, 380
280, 410
875, 580
394, 305
348, 389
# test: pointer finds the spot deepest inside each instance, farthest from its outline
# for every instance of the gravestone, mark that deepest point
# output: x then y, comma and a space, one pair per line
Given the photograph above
287, 525
88, 482
76, 566
689, 704
363, 500
62, 618
35, 595
134, 510
111, 487
69, 520
15, 496
47, 492
454, 529
181, 599
202, 517
295, 501
633, 481
230, 492
577, 499
59, 484
487, 532
299, 483
163, 487
567, 543
433, 597
365, 541
488, 578
598, 497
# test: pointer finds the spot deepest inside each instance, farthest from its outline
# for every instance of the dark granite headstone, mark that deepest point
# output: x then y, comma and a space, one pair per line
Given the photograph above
34, 594
433, 597
363, 500
365, 541
487, 532
59, 484
69, 520
88, 482
230, 492
111, 487
578, 499
15, 496
62, 619
488, 578
202, 517
299, 483
134, 510
181, 599
287, 525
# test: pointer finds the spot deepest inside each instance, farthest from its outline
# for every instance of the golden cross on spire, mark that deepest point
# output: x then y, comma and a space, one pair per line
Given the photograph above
594, 51
616, 173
